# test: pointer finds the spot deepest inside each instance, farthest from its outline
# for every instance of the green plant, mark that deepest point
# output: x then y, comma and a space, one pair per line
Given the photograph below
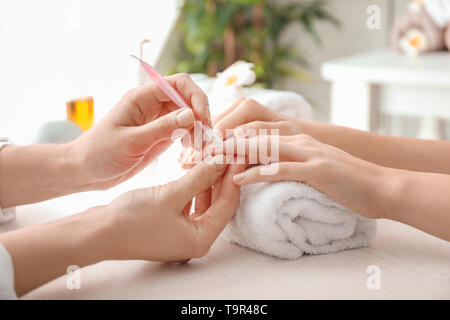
216, 33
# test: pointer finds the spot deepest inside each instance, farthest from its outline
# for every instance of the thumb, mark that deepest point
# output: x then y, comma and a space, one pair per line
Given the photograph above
163, 127
198, 179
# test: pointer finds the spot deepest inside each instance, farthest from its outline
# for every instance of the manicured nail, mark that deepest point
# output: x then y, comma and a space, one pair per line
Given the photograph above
240, 132
238, 178
185, 117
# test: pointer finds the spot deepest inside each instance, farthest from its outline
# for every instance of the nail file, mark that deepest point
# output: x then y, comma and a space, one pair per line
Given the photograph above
208, 133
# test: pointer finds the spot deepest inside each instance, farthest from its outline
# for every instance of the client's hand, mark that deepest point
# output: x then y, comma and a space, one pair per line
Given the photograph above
147, 224
355, 183
135, 132
246, 116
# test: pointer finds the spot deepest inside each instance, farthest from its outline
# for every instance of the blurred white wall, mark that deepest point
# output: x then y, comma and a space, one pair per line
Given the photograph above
54, 50
352, 37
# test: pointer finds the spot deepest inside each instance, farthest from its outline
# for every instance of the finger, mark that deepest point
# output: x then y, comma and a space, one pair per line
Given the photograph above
212, 222
248, 110
235, 104
255, 128
281, 171
239, 115
262, 149
187, 208
164, 127
198, 179
203, 201
193, 95
149, 157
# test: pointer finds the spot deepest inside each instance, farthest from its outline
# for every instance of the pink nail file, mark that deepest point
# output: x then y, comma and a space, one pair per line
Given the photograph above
169, 90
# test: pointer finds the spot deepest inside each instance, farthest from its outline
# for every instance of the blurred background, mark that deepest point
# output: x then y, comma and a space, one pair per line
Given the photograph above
54, 51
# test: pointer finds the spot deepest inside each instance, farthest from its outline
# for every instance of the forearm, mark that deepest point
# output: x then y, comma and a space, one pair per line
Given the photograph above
44, 252
393, 152
35, 173
420, 200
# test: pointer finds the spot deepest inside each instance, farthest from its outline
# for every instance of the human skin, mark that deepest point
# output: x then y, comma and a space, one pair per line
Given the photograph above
378, 176
135, 132
149, 224
145, 224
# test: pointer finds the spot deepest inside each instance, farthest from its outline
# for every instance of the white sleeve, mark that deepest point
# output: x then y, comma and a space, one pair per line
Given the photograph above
6, 276
9, 213
439, 11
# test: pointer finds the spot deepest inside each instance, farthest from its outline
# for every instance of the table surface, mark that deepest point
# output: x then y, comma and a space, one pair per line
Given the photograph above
413, 265
385, 66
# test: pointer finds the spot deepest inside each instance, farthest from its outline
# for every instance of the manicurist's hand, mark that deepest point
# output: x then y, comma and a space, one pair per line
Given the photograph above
355, 183
419, 199
154, 223
146, 224
136, 131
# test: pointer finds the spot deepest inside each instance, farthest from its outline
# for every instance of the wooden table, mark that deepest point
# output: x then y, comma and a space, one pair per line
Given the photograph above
413, 265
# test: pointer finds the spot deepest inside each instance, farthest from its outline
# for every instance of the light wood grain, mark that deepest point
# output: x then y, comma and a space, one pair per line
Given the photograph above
413, 265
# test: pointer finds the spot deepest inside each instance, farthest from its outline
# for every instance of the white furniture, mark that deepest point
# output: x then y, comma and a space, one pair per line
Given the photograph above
413, 265
367, 85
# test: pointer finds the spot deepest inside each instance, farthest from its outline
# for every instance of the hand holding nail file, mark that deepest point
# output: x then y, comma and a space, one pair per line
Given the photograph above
173, 95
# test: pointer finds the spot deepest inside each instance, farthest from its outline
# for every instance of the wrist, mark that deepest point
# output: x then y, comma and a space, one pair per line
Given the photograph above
386, 189
392, 191
75, 166
90, 235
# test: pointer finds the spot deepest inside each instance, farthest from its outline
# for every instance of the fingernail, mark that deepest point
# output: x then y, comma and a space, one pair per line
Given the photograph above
185, 141
208, 115
237, 178
218, 134
240, 132
185, 117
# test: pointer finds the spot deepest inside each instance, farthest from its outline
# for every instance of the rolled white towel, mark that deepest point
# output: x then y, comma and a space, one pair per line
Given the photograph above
439, 11
287, 102
288, 219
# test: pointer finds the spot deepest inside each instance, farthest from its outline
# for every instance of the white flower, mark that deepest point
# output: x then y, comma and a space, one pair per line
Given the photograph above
416, 5
230, 82
413, 42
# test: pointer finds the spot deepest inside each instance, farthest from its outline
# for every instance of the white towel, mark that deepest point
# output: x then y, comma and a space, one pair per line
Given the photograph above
289, 219
439, 11
287, 102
